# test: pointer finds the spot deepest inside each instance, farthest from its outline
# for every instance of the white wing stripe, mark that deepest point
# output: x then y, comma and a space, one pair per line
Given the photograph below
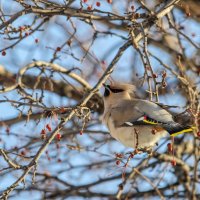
128, 123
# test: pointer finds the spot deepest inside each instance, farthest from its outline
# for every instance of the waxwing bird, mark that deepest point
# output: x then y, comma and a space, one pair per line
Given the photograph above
134, 122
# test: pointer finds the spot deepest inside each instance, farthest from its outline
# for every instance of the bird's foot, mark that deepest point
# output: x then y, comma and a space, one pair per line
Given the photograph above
141, 150
147, 150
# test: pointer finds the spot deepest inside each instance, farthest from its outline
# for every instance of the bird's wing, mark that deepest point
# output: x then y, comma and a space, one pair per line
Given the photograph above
143, 112
137, 111
154, 111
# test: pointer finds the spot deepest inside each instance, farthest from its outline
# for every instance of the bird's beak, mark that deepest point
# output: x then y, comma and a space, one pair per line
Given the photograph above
105, 86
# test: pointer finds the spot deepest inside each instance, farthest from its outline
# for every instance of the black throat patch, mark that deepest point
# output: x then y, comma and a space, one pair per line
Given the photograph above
106, 92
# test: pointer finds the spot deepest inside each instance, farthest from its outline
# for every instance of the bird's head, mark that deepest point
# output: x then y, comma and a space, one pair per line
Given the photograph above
117, 91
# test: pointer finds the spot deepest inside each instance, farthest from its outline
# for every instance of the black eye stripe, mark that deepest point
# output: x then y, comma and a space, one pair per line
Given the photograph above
108, 89
116, 90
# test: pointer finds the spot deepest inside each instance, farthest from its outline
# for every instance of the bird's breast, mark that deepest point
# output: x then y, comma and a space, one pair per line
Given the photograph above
122, 134
136, 136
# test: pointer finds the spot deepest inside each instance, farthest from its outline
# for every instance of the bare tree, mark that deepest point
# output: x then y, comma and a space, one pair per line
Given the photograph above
55, 56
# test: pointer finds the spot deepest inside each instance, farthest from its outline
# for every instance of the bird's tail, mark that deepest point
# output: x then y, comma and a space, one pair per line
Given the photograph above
177, 129
185, 130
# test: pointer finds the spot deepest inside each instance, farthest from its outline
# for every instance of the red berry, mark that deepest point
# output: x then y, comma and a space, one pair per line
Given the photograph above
155, 75
81, 133
27, 34
132, 155
59, 160
137, 15
58, 49
198, 134
118, 162
43, 132
21, 28
164, 84
3, 53
188, 14
48, 127
119, 155
173, 162
85, 1
23, 153
62, 110
98, 4
58, 136
89, 8
169, 146
153, 131
109, 1
164, 74
36, 40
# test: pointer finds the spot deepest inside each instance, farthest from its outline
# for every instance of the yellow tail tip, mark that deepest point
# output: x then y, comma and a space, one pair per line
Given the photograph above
191, 129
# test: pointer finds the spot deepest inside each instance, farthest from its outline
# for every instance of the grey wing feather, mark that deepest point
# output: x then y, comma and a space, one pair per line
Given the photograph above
125, 112
132, 110
154, 111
